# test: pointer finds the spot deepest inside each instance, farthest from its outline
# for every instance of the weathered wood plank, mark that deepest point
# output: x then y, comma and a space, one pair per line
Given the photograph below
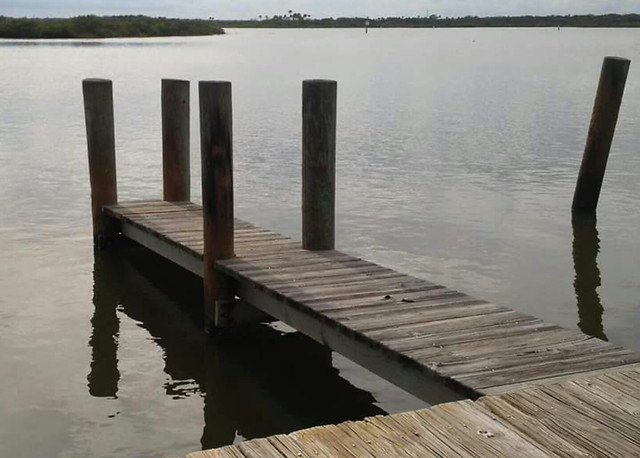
552, 439
559, 349
375, 444
401, 429
597, 409
259, 448
434, 298
388, 320
479, 431
573, 418
225, 452
302, 266
288, 447
591, 435
344, 280
613, 357
472, 344
461, 330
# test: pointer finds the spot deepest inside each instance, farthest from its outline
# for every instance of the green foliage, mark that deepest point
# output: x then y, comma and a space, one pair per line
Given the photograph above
296, 20
105, 27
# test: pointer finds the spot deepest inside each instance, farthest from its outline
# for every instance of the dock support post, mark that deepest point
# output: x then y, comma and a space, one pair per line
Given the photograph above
603, 124
176, 168
217, 199
319, 112
99, 119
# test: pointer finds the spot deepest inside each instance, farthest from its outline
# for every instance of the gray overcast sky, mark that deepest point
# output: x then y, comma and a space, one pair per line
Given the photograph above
317, 8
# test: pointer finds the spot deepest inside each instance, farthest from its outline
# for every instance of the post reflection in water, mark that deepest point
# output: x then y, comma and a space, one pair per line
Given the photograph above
586, 246
264, 382
104, 375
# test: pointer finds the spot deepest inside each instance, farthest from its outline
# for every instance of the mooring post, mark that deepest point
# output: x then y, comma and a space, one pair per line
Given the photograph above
319, 112
176, 171
603, 125
217, 198
98, 112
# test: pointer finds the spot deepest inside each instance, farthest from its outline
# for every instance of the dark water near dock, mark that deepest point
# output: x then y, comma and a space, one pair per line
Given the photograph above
457, 156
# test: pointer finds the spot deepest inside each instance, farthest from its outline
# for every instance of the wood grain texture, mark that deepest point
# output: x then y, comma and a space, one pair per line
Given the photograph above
586, 417
216, 139
176, 149
606, 108
319, 119
440, 334
99, 120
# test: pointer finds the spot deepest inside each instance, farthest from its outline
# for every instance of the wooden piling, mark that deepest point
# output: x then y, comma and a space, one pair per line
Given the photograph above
603, 124
217, 198
98, 111
176, 172
319, 112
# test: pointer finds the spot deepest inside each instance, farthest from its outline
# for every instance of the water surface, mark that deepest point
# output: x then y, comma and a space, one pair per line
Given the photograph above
457, 157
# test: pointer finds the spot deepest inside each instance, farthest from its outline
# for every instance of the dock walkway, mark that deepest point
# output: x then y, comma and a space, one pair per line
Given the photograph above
544, 390
587, 416
416, 334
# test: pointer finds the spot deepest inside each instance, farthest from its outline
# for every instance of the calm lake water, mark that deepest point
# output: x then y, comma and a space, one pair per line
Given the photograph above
458, 152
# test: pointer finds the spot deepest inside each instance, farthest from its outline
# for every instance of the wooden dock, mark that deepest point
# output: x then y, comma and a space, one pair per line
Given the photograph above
407, 330
585, 417
548, 391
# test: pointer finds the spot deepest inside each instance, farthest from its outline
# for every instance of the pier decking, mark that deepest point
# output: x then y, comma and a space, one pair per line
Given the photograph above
408, 330
587, 416
544, 390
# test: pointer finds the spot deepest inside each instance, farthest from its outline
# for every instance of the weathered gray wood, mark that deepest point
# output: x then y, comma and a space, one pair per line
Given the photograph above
592, 435
176, 162
390, 365
216, 136
584, 375
98, 112
461, 330
568, 419
603, 124
401, 327
612, 357
319, 108
425, 337
181, 256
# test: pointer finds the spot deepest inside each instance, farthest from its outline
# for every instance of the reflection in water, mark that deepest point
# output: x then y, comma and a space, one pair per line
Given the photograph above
103, 377
586, 245
264, 382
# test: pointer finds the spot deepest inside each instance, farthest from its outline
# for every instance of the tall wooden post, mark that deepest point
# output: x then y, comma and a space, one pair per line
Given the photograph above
603, 125
319, 113
217, 198
98, 112
176, 168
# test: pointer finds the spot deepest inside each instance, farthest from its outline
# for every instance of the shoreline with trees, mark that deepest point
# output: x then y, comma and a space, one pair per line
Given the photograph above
88, 27
105, 27
301, 20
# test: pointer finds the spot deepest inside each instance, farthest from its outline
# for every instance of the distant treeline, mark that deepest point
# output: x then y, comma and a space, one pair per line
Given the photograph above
299, 20
105, 27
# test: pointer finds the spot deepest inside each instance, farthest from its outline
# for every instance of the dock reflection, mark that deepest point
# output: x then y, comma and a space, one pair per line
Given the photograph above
264, 382
105, 325
586, 246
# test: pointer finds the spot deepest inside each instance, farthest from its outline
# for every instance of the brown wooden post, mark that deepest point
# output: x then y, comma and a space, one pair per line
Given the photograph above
176, 171
98, 112
217, 198
603, 125
319, 113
